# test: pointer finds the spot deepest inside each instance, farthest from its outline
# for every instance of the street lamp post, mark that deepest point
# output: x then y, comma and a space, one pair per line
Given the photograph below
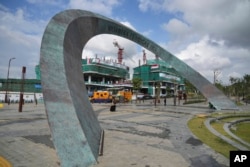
7, 81
155, 92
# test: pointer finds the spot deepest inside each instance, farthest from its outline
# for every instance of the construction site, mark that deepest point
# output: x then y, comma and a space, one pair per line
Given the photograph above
101, 74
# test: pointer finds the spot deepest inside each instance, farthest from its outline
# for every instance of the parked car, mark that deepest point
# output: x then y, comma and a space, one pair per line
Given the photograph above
145, 97
140, 96
163, 95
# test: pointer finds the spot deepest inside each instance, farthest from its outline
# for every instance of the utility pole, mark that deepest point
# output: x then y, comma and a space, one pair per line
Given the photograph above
217, 72
7, 81
21, 102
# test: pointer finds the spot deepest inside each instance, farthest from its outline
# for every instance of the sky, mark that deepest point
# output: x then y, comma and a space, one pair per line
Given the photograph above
209, 35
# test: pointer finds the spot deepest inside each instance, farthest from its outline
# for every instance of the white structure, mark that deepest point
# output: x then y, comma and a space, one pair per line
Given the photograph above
28, 97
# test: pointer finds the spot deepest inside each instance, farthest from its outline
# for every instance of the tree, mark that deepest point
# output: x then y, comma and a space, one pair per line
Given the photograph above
158, 90
137, 82
246, 86
190, 88
235, 82
240, 87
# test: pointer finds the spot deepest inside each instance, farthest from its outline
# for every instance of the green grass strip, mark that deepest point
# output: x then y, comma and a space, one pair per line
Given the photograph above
242, 131
196, 125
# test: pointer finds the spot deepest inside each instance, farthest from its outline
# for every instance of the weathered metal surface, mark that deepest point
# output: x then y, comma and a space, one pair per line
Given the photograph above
75, 129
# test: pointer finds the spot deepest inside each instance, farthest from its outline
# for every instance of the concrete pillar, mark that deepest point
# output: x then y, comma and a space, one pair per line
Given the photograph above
89, 79
103, 80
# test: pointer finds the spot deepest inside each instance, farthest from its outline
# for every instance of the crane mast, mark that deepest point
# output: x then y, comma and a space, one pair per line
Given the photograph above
120, 51
144, 57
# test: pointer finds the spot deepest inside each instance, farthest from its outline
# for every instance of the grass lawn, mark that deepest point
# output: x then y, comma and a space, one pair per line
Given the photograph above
218, 126
196, 125
242, 131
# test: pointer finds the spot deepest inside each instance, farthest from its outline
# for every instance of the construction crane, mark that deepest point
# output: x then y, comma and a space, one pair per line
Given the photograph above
144, 57
120, 51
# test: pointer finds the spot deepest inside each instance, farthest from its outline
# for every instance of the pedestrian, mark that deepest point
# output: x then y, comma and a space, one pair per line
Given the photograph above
185, 97
165, 101
113, 105
175, 100
179, 99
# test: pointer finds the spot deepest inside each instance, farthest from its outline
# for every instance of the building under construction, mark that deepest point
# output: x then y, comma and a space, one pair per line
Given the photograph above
98, 74
156, 73
101, 74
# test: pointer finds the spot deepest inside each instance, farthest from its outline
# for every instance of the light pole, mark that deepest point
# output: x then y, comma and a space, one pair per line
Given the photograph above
7, 81
216, 74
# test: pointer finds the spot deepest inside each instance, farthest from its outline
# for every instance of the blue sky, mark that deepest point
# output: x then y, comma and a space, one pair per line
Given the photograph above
207, 35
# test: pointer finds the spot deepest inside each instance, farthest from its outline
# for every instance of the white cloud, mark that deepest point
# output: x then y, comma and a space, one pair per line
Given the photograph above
128, 24
19, 22
47, 2
234, 75
103, 7
102, 45
220, 19
23, 47
176, 27
207, 34
204, 56
180, 34
19, 38
145, 5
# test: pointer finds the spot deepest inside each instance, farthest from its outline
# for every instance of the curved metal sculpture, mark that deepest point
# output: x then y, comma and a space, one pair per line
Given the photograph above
75, 129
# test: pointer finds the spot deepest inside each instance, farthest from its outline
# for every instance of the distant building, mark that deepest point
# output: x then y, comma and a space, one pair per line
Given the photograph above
100, 74
157, 73
31, 87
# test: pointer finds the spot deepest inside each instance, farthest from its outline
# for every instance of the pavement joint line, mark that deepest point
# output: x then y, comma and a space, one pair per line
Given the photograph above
178, 136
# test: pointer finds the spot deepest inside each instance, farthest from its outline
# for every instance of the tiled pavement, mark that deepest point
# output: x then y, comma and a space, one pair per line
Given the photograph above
135, 135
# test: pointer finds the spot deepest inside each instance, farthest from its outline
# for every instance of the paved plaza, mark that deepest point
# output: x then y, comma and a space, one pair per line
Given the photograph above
136, 135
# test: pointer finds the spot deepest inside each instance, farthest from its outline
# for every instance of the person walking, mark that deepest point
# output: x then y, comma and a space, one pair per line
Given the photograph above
113, 105
185, 97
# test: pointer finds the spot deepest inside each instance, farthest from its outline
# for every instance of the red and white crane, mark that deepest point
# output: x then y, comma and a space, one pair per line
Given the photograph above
120, 51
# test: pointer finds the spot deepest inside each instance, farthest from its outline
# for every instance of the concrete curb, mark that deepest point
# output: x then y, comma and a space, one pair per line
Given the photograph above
227, 126
211, 129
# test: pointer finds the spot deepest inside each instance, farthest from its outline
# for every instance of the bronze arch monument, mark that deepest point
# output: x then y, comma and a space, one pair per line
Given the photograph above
75, 129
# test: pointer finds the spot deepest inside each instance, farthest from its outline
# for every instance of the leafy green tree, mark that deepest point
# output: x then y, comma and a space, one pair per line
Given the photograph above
235, 82
219, 86
240, 87
137, 83
223, 88
246, 86
190, 88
